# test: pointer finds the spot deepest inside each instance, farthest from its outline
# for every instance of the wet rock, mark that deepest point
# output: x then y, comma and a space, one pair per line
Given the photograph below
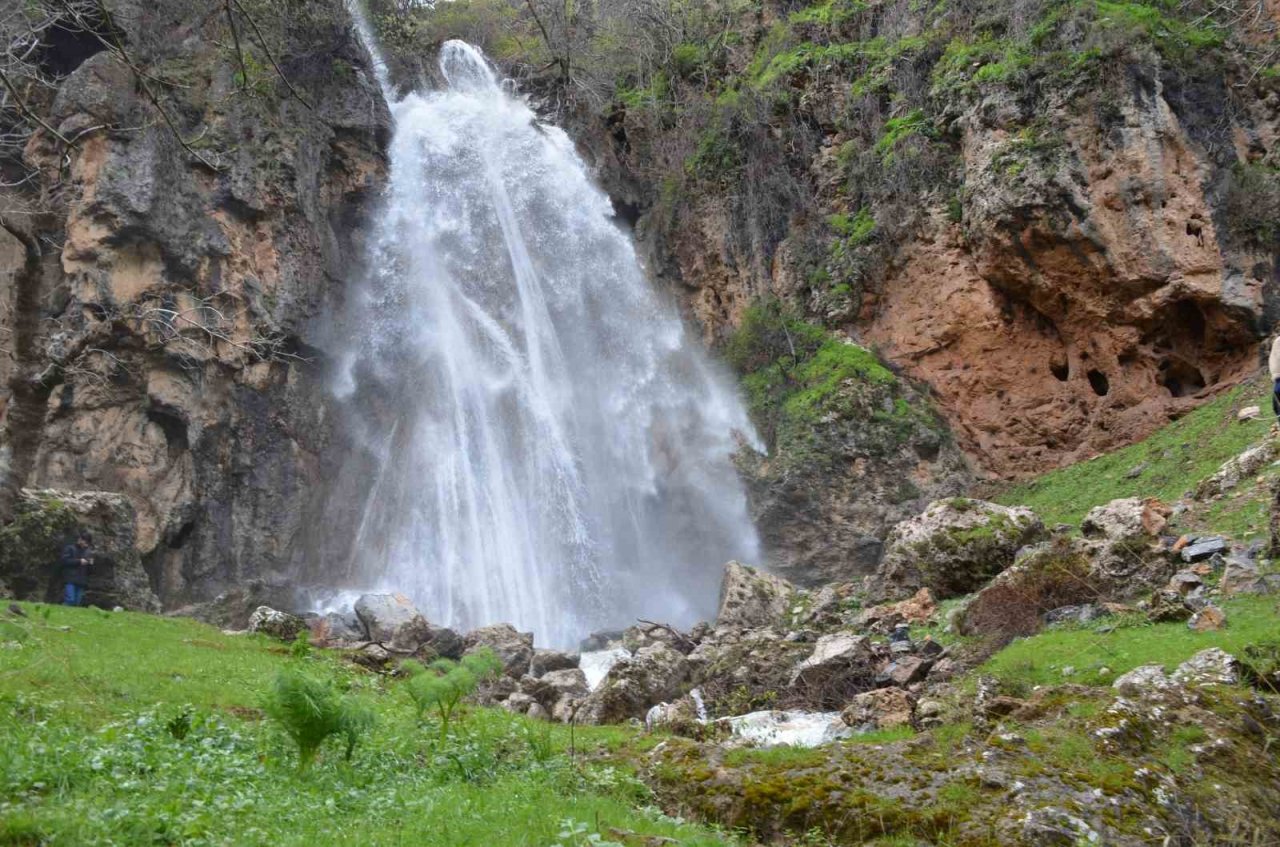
840, 665
954, 547
653, 675
545, 661
442, 642
393, 621
883, 708
275, 623
1208, 619
646, 633
1128, 520
1203, 548
685, 716
513, 648
597, 664
603, 640
750, 599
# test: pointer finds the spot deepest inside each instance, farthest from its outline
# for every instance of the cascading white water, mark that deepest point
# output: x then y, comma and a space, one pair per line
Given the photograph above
551, 449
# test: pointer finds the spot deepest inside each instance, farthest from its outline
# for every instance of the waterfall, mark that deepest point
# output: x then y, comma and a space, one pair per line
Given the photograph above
542, 443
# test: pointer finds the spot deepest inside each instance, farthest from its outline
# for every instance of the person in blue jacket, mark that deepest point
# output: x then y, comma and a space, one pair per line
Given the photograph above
76, 560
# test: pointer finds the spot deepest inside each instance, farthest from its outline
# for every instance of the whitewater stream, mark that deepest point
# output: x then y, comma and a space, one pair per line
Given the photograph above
549, 446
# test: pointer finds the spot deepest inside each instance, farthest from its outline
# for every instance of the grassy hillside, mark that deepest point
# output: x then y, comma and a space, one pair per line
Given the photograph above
129, 729
1168, 465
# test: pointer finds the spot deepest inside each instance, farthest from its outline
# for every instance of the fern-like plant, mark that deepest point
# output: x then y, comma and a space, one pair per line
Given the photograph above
311, 710
442, 684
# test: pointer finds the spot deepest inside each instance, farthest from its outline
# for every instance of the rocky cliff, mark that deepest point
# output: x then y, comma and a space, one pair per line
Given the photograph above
187, 201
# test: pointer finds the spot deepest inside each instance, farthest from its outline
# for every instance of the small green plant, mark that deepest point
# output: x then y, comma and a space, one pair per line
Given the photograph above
179, 726
301, 646
442, 684
311, 710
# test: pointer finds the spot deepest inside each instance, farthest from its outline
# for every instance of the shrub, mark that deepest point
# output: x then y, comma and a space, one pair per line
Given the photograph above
442, 684
311, 710
1014, 606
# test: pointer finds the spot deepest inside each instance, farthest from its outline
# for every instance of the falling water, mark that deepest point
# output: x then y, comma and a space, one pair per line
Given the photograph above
548, 447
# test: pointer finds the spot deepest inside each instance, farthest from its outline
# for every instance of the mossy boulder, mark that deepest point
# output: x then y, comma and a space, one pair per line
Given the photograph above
750, 598
954, 547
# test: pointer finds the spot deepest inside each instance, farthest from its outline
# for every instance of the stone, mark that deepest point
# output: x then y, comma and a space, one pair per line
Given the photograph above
954, 547
1235, 470
514, 649
545, 661
518, 703
277, 624
1144, 681
1208, 619
599, 641
919, 608
553, 687
904, 670
750, 599
538, 712
681, 716
655, 674
1128, 520
373, 656
1168, 607
1185, 582
1203, 548
644, 634
1080, 614
336, 627
1249, 413
1208, 667
442, 642
392, 621
840, 665
883, 708
1244, 577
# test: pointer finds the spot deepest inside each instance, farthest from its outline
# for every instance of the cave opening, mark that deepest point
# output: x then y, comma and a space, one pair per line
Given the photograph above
1098, 382
66, 46
1179, 377
1061, 370
173, 427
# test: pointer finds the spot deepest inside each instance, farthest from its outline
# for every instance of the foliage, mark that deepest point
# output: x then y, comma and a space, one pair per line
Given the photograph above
311, 710
1253, 205
87, 756
442, 684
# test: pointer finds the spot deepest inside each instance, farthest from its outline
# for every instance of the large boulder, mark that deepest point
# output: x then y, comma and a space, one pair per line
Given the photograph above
953, 547
393, 621
545, 661
655, 674
884, 708
841, 665
742, 671
1129, 520
275, 623
47, 520
513, 648
750, 598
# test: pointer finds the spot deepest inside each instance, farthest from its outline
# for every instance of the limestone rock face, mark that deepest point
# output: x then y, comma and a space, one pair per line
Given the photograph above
954, 547
751, 599
48, 520
169, 350
513, 648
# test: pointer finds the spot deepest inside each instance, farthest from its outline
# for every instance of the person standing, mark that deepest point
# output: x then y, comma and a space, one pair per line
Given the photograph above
1274, 363
76, 560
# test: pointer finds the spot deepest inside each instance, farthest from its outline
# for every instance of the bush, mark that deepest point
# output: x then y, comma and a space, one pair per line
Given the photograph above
311, 710
1014, 606
442, 684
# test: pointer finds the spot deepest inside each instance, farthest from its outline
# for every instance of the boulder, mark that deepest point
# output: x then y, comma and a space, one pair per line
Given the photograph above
555, 688
231, 609
1235, 470
393, 621
1145, 682
545, 661
597, 642
655, 674
1204, 548
750, 599
1208, 619
277, 624
683, 717
1168, 607
336, 628
739, 671
916, 609
1244, 577
644, 634
904, 671
884, 708
841, 665
953, 548
513, 648
1130, 521
1079, 614
1208, 667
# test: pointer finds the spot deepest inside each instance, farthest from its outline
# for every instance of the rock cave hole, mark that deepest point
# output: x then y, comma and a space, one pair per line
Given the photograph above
173, 427
1061, 370
1179, 377
66, 45
180, 537
1098, 382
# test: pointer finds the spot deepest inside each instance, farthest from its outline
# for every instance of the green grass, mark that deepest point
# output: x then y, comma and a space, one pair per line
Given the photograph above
94, 749
1167, 465
1040, 659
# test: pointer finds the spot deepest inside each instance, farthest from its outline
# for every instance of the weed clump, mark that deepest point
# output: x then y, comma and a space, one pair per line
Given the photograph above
311, 710
442, 684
